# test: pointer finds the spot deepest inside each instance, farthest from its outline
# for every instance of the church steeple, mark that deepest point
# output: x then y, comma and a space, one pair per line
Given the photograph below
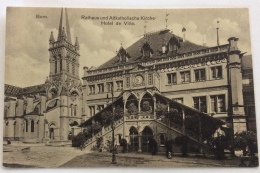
64, 28
64, 63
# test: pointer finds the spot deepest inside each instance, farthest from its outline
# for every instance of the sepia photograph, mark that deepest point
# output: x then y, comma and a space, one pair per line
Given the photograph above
93, 87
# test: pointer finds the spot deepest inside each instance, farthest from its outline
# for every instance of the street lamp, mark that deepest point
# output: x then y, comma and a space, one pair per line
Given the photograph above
113, 128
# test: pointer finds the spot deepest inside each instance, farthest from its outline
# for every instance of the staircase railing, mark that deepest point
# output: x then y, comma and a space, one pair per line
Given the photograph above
102, 132
194, 140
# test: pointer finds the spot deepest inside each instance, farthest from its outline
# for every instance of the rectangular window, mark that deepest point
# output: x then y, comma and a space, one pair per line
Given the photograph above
150, 79
185, 77
172, 78
100, 107
200, 75
91, 110
200, 103
217, 103
100, 88
216, 72
91, 89
110, 86
179, 100
119, 85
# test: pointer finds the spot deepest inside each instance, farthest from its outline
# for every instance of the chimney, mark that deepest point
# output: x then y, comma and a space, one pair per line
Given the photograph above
183, 34
204, 40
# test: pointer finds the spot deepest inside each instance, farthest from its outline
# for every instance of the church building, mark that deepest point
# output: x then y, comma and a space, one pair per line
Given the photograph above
51, 111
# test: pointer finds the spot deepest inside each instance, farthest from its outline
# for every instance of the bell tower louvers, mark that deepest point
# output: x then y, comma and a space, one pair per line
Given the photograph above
64, 56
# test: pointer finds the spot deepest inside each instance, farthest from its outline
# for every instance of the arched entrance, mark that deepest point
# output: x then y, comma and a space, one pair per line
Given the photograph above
133, 133
146, 136
51, 130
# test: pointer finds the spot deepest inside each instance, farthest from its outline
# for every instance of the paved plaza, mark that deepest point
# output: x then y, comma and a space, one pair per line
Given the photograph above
18, 155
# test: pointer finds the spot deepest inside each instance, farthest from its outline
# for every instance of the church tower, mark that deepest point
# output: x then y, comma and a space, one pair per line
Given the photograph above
63, 86
64, 55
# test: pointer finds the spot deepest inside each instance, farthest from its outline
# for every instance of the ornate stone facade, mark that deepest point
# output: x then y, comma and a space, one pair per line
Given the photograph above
51, 111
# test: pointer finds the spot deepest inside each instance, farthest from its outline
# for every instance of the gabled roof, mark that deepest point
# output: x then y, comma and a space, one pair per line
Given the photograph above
15, 91
156, 40
11, 90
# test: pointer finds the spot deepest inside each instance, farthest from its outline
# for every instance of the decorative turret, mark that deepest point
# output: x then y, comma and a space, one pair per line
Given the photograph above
51, 40
47, 81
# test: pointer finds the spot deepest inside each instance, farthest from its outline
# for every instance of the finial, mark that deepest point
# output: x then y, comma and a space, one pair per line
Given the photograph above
217, 32
166, 19
145, 26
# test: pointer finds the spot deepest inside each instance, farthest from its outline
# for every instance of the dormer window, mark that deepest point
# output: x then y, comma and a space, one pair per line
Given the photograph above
173, 44
123, 55
147, 51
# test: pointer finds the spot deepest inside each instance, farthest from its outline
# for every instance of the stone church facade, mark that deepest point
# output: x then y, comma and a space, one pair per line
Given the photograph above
51, 111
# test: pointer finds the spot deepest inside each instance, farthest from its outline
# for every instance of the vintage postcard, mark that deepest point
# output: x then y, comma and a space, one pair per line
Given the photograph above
128, 88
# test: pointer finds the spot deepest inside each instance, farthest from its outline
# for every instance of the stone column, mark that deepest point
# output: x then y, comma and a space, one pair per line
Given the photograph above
139, 105
183, 122
154, 107
140, 142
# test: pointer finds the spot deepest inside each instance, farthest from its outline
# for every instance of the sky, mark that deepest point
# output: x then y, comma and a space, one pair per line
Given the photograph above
27, 37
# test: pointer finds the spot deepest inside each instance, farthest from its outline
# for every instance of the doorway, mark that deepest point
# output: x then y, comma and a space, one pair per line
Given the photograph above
146, 137
51, 133
133, 133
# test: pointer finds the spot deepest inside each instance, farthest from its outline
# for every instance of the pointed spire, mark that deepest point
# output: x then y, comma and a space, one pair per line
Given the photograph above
63, 34
64, 23
77, 43
51, 40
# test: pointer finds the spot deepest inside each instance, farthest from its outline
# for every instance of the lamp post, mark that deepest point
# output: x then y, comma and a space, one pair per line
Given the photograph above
113, 128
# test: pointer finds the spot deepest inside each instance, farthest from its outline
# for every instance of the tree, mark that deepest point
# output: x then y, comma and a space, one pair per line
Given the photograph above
245, 139
79, 140
119, 112
106, 117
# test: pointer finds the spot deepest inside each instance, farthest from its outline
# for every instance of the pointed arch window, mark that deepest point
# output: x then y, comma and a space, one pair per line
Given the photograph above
60, 65
32, 125
72, 108
26, 126
68, 66
55, 65
73, 67
75, 110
